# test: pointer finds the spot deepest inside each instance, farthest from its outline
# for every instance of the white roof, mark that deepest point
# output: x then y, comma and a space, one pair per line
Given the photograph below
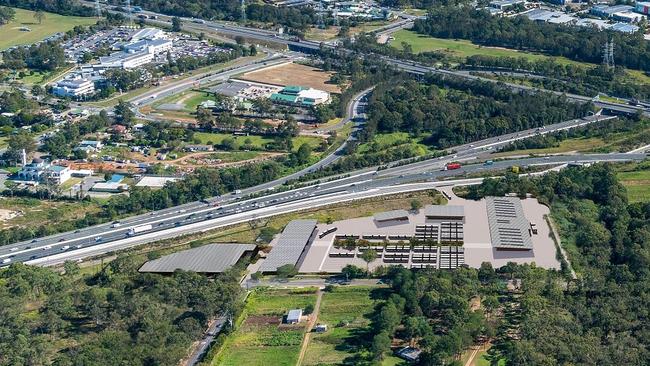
155, 181
313, 94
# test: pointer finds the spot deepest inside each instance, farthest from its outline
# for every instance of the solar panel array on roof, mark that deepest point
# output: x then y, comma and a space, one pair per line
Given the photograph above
508, 225
391, 215
289, 247
211, 258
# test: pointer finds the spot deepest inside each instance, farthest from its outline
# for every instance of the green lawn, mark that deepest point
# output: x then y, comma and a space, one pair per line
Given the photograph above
258, 142
637, 184
346, 311
259, 338
577, 144
403, 140
460, 48
52, 23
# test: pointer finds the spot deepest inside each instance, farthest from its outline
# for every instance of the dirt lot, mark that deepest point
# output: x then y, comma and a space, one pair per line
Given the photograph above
293, 74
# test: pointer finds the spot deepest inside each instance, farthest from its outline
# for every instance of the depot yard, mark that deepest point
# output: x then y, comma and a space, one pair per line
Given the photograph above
260, 337
293, 74
12, 35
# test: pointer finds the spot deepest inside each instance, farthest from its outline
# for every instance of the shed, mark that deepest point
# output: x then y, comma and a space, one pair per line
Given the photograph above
293, 317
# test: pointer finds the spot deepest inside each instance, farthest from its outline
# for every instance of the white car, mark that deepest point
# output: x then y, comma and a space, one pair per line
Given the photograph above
6, 260
65, 247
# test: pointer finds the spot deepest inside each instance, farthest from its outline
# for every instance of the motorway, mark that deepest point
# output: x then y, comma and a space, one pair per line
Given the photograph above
233, 30
227, 210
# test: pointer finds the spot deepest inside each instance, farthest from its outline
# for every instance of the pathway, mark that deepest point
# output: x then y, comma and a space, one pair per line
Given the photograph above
310, 325
556, 237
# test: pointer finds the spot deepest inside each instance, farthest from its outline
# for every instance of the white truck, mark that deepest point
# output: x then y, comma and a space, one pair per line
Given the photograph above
139, 229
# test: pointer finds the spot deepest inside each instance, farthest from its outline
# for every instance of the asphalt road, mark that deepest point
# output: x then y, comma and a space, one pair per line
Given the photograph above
201, 216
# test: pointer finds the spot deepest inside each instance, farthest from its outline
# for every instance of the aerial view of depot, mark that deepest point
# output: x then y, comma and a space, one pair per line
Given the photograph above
324, 182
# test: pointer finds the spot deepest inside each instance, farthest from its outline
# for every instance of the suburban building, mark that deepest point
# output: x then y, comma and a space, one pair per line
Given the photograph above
74, 88
40, 171
628, 16
90, 145
199, 148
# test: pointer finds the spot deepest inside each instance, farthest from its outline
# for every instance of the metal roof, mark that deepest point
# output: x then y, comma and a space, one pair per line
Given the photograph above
508, 225
289, 247
391, 215
211, 258
444, 211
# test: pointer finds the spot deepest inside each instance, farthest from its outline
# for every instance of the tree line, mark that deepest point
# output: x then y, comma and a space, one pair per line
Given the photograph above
576, 43
570, 78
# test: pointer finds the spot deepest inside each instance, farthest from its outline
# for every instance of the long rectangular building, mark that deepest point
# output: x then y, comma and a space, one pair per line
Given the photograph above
509, 228
290, 245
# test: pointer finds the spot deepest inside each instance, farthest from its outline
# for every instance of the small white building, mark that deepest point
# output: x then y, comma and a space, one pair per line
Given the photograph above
110, 187
93, 145
293, 317
74, 88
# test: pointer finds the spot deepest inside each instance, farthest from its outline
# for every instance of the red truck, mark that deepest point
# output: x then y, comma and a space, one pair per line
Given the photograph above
452, 166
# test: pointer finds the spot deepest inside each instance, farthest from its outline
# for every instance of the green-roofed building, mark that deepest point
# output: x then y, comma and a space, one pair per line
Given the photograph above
292, 90
284, 98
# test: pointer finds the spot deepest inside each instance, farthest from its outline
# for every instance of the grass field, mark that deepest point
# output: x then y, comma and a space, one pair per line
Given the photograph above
52, 23
401, 140
44, 212
294, 74
347, 312
461, 48
578, 144
637, 184
260, 339
256, 141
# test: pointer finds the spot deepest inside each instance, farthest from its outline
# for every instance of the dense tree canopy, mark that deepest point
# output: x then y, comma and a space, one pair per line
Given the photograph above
115, 317
452, 111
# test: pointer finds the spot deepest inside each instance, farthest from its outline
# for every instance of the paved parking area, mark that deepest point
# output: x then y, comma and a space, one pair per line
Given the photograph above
477, 245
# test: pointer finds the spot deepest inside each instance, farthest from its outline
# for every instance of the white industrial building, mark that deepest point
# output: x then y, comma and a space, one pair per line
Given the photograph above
124, 60
39, 171
74, 88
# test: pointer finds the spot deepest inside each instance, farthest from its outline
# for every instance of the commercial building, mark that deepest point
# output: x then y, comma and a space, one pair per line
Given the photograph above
74, 88
642, 7
124, 60
109, 187
396, 215
148, 33
509, 229
289, 247
297, 95
607, 11
506, 4
207, 259
151, 46
628, 16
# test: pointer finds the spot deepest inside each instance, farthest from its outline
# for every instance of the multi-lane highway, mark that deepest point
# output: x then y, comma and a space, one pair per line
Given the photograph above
231, 209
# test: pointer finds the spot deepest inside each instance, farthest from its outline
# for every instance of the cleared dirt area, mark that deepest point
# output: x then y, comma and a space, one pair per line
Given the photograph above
293, 74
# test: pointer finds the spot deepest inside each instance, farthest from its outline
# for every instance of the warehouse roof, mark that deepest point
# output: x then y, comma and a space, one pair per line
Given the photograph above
290, 246
211, 258
444, 211
508, 225
391, 215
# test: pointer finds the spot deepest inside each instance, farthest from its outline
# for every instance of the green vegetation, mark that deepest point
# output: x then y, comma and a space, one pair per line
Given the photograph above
52, 23
257, 142
636, 179
347, 311
114, 317
460, 48
259, 337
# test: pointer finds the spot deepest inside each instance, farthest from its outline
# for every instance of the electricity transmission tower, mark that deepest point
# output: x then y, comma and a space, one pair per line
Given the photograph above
243, 10
608, 54
128, 12
98, 9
